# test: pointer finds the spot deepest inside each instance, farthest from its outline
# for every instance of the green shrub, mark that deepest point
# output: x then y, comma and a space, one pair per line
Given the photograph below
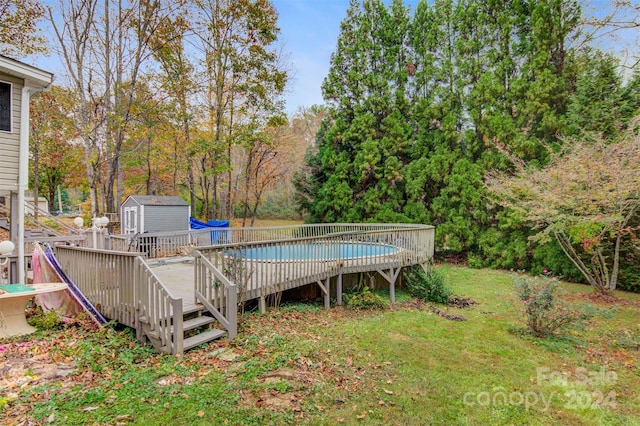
629, 277
543, 311
430, 286
365, 299
505, 246
44, 320
629, 273
551, 257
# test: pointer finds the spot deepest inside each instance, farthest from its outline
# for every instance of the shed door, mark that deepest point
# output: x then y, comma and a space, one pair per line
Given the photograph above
130, 220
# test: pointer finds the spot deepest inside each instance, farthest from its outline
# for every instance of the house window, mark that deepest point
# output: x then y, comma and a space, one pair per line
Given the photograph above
5, 106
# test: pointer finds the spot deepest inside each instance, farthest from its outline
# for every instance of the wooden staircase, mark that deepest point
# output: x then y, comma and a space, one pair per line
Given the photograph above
197, 329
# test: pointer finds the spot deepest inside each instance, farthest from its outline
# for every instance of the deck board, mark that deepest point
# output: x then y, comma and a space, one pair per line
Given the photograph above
177, 275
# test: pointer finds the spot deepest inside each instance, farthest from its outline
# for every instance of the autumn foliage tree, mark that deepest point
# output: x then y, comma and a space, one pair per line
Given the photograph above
19, 34
54, 157
586, 198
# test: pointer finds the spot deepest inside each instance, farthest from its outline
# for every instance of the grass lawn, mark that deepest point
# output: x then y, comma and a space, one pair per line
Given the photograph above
301, 364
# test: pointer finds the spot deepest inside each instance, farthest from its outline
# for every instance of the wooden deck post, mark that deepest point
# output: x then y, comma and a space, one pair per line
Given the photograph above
327, 295
262, 302
176, 341
325, 290
232, 311
339, 290
391, 277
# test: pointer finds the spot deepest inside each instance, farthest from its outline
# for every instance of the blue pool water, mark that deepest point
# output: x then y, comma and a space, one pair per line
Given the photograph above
315, 251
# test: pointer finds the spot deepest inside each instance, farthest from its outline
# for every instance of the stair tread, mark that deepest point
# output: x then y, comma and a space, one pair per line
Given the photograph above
193, 309
189, 311
186, 325
201, 338
197, 322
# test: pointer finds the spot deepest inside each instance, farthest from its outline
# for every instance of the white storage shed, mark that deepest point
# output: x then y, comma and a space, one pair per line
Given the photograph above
150, 213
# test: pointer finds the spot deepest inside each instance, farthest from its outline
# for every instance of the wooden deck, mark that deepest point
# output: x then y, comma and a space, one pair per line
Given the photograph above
265, 277
164, 298
177, 274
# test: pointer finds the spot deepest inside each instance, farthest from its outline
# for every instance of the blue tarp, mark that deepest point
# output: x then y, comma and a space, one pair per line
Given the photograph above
216, 236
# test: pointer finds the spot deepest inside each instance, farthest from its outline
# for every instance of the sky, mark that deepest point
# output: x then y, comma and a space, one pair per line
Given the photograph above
309, 32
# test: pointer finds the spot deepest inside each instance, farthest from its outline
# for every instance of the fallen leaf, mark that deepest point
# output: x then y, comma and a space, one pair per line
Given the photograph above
388, 392
89, 408
200, 413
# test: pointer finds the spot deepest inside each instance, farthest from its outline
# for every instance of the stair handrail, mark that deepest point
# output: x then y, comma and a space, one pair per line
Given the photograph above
217, 293
158, 309
70, 229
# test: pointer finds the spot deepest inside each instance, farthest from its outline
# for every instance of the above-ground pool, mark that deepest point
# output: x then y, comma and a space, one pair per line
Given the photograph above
315, 251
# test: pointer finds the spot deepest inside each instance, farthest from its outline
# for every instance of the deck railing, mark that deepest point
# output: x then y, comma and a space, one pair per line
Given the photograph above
182, 243
160, 314
219, 295
262, 268
123, 288
105, 277
61, 227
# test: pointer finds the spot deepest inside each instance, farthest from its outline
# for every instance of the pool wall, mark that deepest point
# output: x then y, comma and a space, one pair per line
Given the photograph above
314, 251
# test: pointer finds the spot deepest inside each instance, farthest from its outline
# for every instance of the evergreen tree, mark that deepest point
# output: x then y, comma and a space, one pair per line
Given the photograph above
601, 103
365, 146
546, 78
423, 108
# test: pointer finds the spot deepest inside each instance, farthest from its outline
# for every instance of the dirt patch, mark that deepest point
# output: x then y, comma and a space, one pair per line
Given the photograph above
461, 302
421, 305
452, 317
455, 302
281, 390
20, 368
609, 354
416, 304
598, 298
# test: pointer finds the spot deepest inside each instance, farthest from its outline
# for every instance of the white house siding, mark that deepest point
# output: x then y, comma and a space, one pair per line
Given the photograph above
10, 141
